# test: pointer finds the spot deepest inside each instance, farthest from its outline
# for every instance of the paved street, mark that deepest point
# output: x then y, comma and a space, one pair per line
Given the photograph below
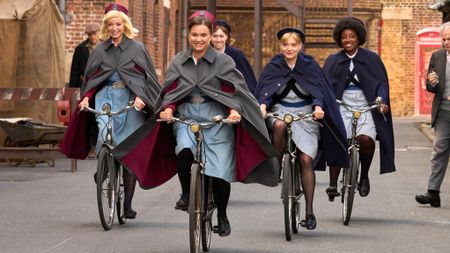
50, 209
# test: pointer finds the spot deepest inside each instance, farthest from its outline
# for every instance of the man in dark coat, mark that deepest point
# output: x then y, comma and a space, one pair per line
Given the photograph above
155, 143
81, 55
308, 73
438, 82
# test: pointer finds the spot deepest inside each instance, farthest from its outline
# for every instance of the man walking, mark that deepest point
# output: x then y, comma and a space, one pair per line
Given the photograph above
81, 55
438, 82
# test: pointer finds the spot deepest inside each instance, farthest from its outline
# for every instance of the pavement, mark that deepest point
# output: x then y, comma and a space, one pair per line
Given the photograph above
50, 209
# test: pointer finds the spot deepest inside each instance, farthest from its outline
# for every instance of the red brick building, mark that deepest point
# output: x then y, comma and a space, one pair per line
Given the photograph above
392, 26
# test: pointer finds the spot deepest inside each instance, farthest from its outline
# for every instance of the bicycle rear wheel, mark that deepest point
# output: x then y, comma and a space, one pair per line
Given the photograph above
349, 187
194, 209
120, 190
297, 193
106, 192
287, 195
208, 208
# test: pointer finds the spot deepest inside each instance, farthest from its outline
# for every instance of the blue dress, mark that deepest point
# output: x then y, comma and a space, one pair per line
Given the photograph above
124, 124
218, 142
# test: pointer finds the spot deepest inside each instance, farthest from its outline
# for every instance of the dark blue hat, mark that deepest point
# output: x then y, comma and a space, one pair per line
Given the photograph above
283, 31
224, 24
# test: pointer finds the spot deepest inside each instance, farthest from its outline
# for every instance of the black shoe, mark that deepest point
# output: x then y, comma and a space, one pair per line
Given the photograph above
130, 214
182, 204
431, 198
223, 228
332, 193
309, 222
364, 187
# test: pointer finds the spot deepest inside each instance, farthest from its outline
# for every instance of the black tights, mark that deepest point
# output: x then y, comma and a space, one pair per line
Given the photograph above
221, 188
308, 177
366, 150
129, 183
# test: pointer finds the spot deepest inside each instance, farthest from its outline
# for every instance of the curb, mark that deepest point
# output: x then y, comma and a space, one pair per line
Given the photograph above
426, 129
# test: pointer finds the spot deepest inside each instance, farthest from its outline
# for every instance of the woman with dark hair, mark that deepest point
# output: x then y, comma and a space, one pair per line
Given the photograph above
358, 77
200, 84
221, 41
294, 83
118, 71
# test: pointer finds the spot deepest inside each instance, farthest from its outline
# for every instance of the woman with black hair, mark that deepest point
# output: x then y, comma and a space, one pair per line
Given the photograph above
358, 77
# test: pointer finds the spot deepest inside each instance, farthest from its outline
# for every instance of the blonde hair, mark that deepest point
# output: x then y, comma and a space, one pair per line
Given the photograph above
128, 27
288, 35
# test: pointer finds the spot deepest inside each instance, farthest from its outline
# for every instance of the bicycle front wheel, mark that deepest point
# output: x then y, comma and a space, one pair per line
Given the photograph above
287, 195
106, 192
195, 205
120, 190
208, 208
349, 187
297, 194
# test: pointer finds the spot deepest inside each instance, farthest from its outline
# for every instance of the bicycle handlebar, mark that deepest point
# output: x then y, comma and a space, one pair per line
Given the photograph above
218, 119
364, 108
107, 111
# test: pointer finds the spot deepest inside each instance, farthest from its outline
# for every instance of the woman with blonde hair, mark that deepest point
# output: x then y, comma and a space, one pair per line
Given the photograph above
118, 71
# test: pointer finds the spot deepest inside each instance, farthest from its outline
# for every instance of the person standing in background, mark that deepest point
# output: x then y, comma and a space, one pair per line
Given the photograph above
221, 41
81, 55
438, 82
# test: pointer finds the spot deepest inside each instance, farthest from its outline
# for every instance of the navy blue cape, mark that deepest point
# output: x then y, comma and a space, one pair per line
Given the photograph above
374, 82
243, 66
310, 76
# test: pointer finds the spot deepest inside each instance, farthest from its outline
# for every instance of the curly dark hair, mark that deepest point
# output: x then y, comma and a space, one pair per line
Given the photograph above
351, 23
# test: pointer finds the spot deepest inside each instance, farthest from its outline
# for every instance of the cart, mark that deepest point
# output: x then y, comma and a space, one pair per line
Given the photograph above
25, 132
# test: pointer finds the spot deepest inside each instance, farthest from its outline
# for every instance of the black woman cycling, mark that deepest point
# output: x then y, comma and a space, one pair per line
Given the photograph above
358, 76
200, 84
294, 83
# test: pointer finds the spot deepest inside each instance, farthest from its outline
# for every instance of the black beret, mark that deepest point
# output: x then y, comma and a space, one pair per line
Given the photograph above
224, 24
283, 31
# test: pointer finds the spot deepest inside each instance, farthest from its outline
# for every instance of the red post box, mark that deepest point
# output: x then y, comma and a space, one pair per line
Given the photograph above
63, 111
428, 40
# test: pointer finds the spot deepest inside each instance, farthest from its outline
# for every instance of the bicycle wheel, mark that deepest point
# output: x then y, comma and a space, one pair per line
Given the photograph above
106, 194
287, 195
349, 187
296, 199
120, 190
195, 212
208, 208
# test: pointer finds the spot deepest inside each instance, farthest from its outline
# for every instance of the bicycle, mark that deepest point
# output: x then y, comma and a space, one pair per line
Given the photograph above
291, 190
109, 180
201, 203
350, 176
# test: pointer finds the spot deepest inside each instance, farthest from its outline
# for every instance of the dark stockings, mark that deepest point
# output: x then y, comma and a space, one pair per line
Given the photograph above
279, 137
129, 183
366, 150
221, 193
184, 162
308, 178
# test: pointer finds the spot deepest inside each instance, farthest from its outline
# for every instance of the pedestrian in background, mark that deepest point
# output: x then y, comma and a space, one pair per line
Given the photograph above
221, 41
81, 55
438, 82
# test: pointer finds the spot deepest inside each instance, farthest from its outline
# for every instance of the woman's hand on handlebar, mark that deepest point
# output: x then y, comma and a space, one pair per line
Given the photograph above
318, 113
84, 103
234, 116
384, 108
167, 114
138, 104
263, 110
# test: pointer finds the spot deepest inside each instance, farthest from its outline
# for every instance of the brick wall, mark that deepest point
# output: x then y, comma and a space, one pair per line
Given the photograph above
151, 17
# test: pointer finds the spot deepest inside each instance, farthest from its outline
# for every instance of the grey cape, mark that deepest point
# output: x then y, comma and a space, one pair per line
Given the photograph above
216, 76
135, 68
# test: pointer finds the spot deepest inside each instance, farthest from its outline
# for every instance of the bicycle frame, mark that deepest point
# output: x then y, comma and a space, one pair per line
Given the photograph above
350, 176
